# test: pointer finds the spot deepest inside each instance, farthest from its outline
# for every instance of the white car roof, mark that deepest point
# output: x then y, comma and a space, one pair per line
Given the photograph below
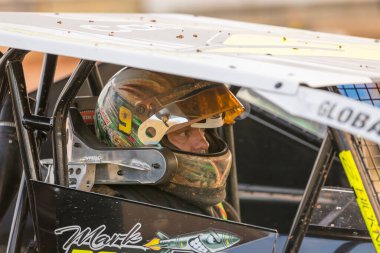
244, 54
277, 63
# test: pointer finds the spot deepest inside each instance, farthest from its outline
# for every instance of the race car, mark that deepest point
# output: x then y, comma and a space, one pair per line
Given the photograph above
327, 83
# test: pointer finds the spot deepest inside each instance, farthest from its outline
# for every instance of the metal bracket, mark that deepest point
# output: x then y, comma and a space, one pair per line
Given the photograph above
81, 176
122, 165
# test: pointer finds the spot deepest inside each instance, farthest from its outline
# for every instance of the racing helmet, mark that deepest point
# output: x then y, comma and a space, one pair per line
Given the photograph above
139, 107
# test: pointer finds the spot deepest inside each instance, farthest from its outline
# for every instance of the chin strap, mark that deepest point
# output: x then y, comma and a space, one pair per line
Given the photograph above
221, 211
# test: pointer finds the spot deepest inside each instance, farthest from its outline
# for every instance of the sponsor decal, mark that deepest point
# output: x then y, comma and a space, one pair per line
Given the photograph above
139, 164
119, 25
346, 114
92, 159
95, 240
116, 139
200, 242
349, 116
105, 117
362, 199
88, 117
100, 120
127, 28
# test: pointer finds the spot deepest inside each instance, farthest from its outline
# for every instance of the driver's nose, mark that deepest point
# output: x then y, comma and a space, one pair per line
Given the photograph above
198, 141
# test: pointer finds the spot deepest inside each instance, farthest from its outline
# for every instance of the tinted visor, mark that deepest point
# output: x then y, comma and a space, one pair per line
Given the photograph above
195, 105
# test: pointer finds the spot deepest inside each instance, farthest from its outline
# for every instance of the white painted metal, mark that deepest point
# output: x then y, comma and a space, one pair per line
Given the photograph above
331, 109
256, 56
273, 61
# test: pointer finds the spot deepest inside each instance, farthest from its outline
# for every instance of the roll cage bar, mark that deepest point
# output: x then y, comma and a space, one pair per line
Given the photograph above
33, 127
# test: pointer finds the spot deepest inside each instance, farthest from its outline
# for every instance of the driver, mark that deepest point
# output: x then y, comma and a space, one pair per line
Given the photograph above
143, 108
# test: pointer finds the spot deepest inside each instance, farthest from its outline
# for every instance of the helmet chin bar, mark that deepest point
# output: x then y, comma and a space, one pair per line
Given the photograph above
91, 162
160, 127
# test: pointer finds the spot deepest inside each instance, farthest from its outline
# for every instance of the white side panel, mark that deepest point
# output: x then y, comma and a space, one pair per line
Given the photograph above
332, 110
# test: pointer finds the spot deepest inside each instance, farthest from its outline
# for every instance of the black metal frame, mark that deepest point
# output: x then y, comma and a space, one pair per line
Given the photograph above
47, 78
27, 123
27, 143
95, 81
317, 179
29, 140
19, 218
21, 209
59, 119
232, 195
4, 89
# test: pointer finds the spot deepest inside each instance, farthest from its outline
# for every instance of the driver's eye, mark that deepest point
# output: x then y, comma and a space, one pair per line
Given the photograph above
185, 133
210, 239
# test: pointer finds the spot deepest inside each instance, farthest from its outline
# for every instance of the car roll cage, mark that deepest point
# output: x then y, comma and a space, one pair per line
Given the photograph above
32, 129
27, 123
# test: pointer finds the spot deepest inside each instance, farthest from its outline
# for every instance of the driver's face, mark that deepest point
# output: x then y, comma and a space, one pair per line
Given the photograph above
189, 139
